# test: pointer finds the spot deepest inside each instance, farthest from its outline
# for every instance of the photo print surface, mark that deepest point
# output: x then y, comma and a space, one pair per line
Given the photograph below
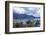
26, 17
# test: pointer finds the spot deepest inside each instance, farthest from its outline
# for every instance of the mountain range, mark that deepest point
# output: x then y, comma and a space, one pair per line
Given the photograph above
23, 16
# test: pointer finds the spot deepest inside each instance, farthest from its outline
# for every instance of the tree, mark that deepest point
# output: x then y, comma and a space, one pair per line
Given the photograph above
17, 24
28, 22
21, 22
37, 23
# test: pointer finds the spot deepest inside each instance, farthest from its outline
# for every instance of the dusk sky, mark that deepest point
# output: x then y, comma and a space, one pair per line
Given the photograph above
27, 10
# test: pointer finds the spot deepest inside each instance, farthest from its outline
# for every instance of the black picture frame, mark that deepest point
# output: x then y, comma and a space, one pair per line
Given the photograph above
7, 16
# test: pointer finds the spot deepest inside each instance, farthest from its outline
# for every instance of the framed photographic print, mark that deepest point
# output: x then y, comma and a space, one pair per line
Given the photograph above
24, 17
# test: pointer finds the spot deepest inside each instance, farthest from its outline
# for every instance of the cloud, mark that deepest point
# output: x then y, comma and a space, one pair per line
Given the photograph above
19, 10
28, 11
